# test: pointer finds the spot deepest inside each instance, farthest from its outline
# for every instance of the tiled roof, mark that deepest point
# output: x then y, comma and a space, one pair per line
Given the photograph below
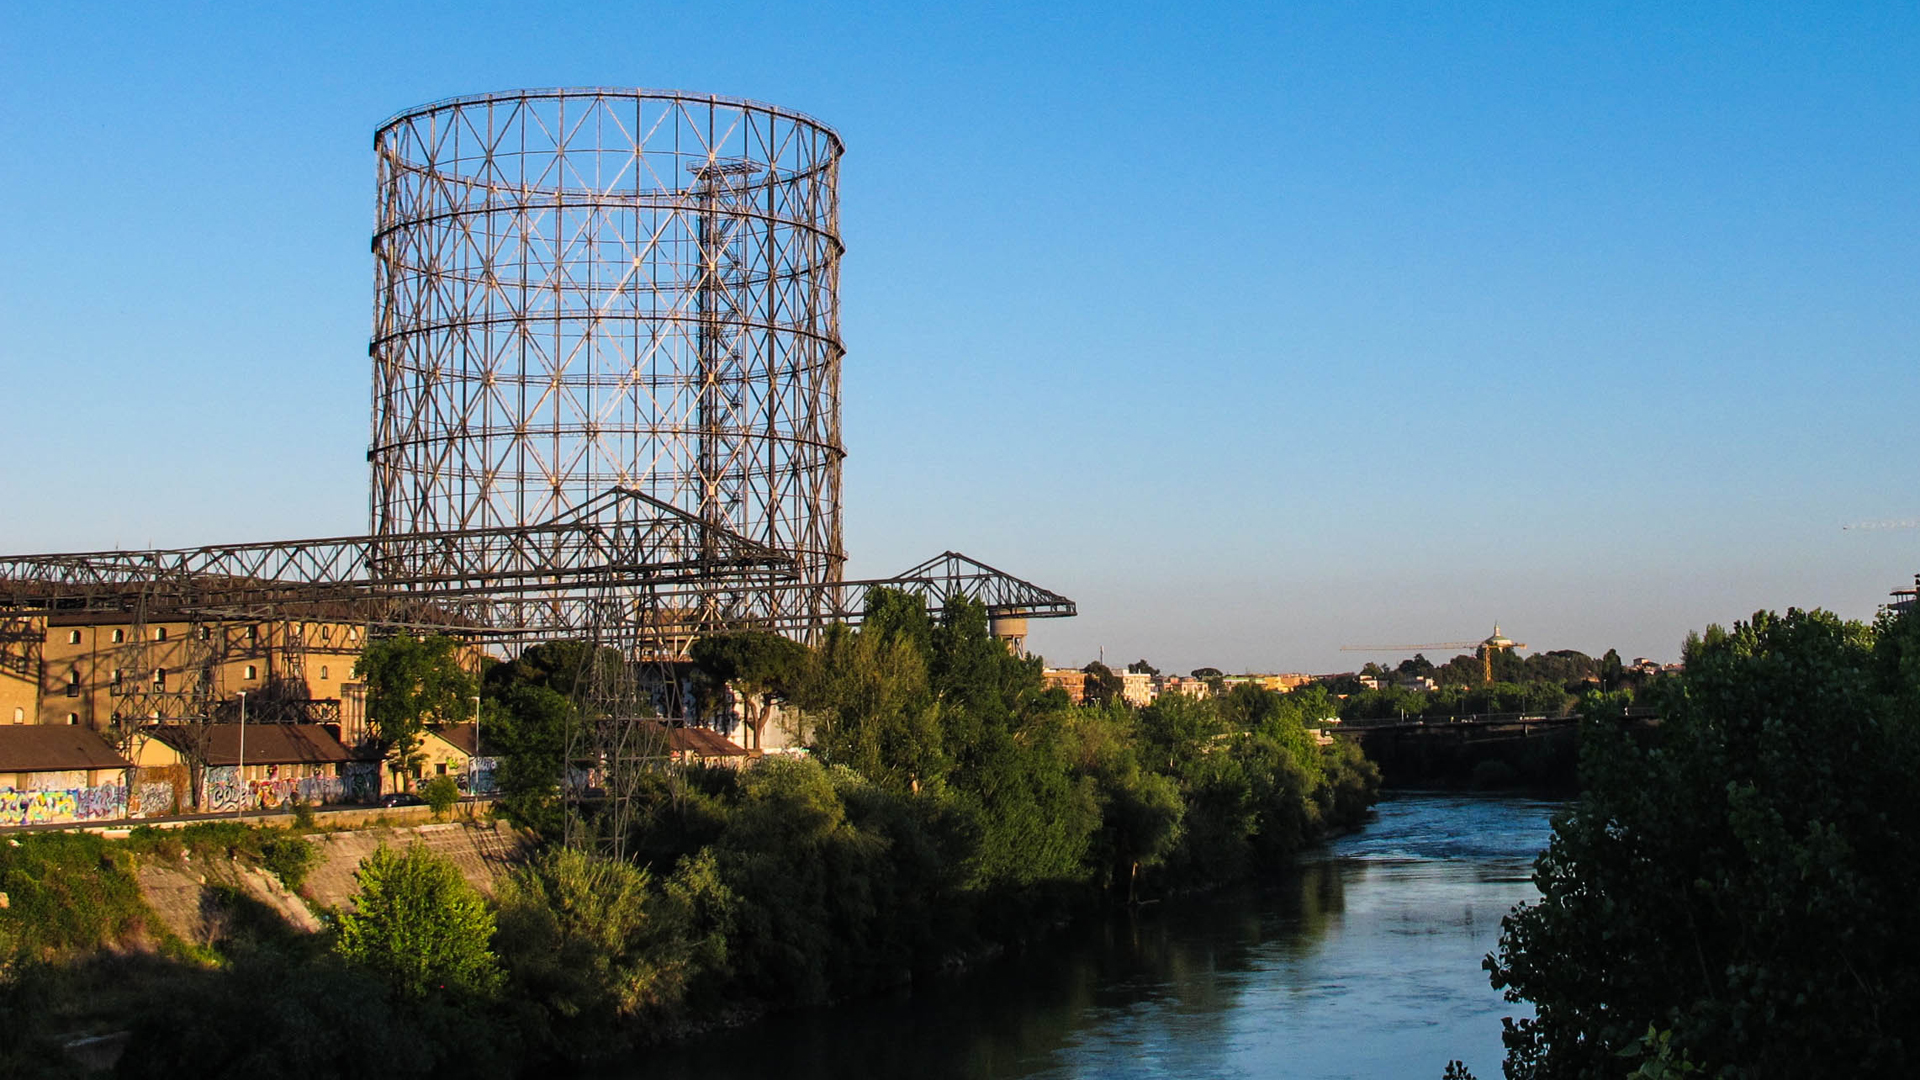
266, 744
55, 748
462, 736
702, 742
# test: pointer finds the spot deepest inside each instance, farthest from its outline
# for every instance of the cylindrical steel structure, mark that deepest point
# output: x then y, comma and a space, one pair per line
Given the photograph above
578, 290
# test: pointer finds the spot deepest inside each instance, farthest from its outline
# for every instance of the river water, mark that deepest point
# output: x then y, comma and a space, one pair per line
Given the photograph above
1365, 965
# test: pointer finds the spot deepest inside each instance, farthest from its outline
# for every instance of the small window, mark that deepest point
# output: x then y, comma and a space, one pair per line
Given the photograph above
73, 637
117, 676
119, 635
252, 673
323, 673
253, 634
441, 768
160, 678
19, 715
73, 683
73, 718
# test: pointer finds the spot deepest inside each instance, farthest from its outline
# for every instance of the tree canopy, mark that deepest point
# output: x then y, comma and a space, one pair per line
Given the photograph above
1742, 875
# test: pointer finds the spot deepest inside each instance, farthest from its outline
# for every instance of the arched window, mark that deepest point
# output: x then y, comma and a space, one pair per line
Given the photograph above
323, 673
159, 633
252, 673
73, 682
119, 636
159, 678
73, 718
73, 637
19, 715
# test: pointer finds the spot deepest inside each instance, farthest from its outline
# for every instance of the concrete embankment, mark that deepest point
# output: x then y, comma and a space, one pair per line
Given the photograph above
182, 892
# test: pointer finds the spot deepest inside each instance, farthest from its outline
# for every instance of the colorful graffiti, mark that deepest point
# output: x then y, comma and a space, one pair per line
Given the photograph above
359, 783
226, 792
151, 798
104, 802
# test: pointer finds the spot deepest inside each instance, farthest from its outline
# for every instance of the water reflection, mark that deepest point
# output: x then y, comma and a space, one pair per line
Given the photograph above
1367, 964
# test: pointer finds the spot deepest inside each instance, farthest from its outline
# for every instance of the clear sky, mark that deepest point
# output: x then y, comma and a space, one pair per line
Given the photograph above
1257, 329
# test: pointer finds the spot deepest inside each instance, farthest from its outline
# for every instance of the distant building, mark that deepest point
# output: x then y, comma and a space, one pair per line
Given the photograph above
1136, 689
1072, 680
103, 670
1187, 685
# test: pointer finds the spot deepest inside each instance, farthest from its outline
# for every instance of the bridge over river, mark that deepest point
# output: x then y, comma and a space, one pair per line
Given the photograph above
1488, 750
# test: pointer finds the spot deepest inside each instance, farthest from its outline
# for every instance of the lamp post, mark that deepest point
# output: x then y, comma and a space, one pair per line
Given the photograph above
241, 757
473, 763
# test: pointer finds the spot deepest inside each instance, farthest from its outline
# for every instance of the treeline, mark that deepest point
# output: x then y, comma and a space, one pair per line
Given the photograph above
1732, 895
951, 806
1558, 682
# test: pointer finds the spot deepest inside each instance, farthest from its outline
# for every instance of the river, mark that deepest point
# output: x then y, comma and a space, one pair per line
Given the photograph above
1365, 965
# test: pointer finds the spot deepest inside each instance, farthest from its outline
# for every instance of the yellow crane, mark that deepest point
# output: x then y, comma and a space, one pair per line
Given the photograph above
1484, 648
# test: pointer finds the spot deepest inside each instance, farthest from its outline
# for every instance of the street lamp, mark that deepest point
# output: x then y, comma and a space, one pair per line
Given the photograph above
473, 763
241, 757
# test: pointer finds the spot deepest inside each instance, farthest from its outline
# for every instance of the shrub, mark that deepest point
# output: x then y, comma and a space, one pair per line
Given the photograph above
441, 793
66, 892
419, 926
291, 858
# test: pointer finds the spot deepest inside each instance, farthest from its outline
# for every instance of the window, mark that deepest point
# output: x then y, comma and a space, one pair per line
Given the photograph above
19, 715
441, 768
73, 682
73, 718
119, 636
323, 673
73, 637
159, 633
160, 678
252, 672
253, 634
117, 676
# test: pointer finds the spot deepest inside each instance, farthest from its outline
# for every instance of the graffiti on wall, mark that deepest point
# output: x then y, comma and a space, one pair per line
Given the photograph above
226, 792
361, 780
151, 798
479, 778
102, 802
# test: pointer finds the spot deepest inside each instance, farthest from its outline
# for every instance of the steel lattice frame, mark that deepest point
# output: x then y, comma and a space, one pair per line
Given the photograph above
578, 290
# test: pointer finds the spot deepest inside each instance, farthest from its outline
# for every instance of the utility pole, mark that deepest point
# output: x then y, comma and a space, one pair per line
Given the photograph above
241, 757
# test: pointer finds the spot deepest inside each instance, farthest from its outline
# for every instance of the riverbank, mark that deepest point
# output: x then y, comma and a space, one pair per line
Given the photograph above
1362, 961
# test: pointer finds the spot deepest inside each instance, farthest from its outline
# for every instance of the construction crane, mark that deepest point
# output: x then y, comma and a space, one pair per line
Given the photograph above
1484, 648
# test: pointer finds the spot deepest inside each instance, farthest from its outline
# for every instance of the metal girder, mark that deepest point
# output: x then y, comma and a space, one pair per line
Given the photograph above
623, 539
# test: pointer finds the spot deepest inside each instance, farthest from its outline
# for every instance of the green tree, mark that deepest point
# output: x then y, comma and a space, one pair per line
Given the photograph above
763, 668
527, 730
1103, 687
419, 926
868, 698
413, 683
594, 942
1741, 875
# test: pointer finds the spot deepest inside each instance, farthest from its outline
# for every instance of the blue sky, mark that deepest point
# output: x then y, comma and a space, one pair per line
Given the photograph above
1256, 329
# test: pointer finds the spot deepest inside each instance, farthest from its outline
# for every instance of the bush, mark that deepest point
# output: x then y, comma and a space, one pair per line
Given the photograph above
419, 926
441, 793
290, 858
67, 892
